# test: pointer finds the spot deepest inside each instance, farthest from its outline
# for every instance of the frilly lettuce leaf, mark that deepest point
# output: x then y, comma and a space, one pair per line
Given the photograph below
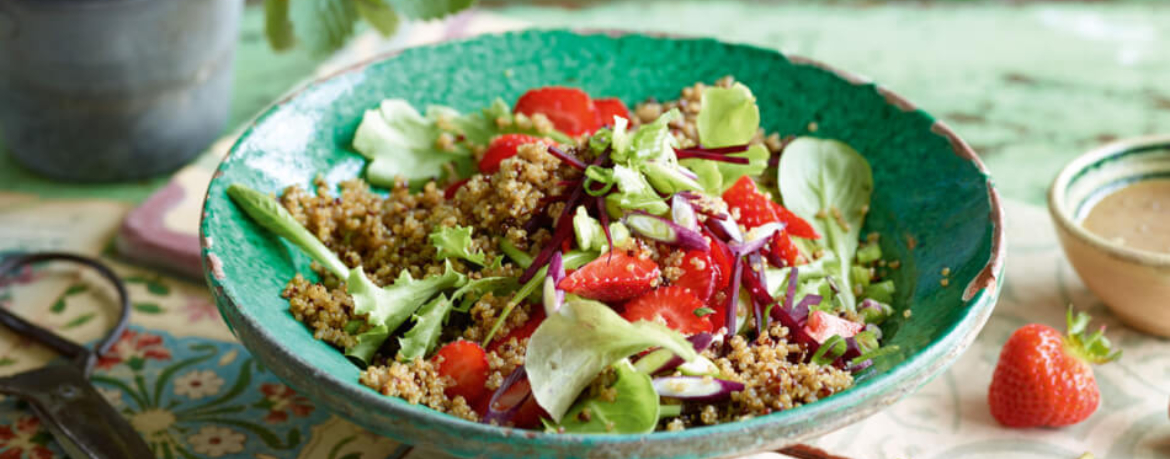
653, 142
388, 307
428, 325
569, 349
401, 142
634, 410
455, 242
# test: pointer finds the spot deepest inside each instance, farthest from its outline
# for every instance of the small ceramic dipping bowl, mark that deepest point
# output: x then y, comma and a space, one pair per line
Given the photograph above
1134, 283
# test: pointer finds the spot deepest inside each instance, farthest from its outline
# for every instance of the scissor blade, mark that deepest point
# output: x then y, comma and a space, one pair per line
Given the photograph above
80, 419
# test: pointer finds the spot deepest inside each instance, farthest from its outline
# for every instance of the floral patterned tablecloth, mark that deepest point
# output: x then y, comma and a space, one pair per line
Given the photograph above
192, 391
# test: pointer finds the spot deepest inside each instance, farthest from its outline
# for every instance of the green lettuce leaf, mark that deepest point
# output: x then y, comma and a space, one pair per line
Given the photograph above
396, 302
829, 178
728, 117
569, 349
634, 193
456, 242
400, 142
710, 177
368, 342
421, 339
588, 231
654, 142
474, 289
634, 410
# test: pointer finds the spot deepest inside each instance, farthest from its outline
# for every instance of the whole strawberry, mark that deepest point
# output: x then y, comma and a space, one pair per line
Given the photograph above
1045, 379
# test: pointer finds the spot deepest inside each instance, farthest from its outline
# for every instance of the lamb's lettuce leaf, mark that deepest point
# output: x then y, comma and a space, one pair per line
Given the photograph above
830, 179
634, 410
455, 242
569, 349
417, 342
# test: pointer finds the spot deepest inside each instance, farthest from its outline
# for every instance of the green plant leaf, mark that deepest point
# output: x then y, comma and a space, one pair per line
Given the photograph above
323, 26
569, 349
634, 410
58, 306
429, 9
829, 184
424, 335
278, 28
75, 289
379, 15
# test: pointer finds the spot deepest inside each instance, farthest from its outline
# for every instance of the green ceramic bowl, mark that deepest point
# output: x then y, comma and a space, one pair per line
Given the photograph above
933, 204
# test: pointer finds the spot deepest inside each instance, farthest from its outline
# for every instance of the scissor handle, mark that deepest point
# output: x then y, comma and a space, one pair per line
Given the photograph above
76, 353
80, 419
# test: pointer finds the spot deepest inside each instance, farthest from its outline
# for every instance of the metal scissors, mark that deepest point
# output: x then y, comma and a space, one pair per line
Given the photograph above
80, 419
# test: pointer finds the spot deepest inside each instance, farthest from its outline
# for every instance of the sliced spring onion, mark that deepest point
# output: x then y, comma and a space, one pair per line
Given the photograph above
666, 231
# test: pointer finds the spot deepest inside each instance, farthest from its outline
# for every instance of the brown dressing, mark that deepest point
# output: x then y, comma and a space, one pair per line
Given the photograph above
1136, 216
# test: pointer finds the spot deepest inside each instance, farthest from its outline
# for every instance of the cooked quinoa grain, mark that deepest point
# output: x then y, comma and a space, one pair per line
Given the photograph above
388, 236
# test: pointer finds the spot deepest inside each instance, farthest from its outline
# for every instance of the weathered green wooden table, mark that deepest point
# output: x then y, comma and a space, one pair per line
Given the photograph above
1029, 86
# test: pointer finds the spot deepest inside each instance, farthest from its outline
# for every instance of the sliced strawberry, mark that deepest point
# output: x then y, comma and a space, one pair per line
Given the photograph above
699, 274
467, 364
570, 109
521, 332
453, 188
504, 147
721, 259
609, 108
783, 248
796, 226
821, 326
612, 278
676, 305
755, 208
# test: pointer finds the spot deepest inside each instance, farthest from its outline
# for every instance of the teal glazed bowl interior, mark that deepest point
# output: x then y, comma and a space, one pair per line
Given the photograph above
933, 204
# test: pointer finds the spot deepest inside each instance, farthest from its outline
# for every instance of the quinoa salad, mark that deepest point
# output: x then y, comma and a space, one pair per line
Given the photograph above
564, 263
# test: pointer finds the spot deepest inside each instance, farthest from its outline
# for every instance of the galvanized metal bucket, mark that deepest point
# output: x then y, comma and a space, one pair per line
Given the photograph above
104, 90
